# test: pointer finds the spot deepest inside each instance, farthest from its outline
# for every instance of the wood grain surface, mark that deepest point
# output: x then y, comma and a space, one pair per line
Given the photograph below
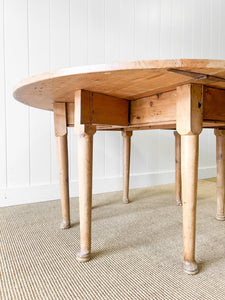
127, 80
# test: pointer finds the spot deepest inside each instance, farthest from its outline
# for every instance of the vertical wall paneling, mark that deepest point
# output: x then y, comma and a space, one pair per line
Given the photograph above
221, 51
141, 29
59, 34
40, 121
16, 69
205, 30
153, 50
211, 149
96, 54
54, 178
78, 56
164, 150
166, 161
126, 34
164, 139
112, 153
72, 146
196, 28
36, 36
96, 31
153, 148
154, 19
3, 162
112, 30
140, 159
204, 37
207, 138
59, 57
187, 29
203, 145
99, 154
165, 29
149, 150
176, 31
79, 32
113, 145
134, 154
214, 28
171, 157
127, 30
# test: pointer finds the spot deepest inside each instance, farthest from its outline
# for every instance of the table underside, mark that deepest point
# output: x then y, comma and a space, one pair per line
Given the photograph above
186, 95
152, 112
123, 80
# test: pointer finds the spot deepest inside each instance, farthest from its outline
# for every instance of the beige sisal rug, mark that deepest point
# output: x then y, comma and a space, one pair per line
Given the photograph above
137, 249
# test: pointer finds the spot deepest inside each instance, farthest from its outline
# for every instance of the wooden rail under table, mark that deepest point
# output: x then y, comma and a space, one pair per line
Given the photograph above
180, 94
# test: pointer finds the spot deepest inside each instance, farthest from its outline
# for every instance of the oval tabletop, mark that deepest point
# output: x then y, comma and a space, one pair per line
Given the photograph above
128, 80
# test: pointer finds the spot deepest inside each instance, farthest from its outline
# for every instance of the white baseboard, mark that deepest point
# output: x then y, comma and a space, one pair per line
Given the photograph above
40, 193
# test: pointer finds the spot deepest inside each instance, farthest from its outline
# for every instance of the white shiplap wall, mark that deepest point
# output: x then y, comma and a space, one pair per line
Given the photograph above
39, 35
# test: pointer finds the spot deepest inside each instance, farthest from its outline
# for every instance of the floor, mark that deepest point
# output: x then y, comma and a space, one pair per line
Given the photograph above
137, 249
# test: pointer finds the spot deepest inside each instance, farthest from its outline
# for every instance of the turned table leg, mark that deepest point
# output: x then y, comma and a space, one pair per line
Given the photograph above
62, 157
85, 152
220, 160
189, 126
85, 132
189, 157
126, 164
178, 168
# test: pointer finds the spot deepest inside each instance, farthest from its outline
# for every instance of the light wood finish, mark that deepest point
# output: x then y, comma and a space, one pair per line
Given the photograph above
126, 164
158, 108
197, 76
189, 103
189, 126
101, 109
220, 159
62, 158
85, 152
150, 125
214, 108
189, 161
181, 94
60, 119
128, 80
178, 168
139, 127
148, 122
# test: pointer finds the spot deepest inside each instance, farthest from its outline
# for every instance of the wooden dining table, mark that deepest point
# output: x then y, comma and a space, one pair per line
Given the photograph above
183, 94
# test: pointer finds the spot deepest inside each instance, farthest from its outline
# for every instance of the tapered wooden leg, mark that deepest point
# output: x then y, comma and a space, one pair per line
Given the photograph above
85, 152
62, 157
189, 146
189, 126
178, 168
126, 164
220, 159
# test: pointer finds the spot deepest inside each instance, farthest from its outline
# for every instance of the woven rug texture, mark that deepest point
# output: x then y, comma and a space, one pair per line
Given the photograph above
137, 249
